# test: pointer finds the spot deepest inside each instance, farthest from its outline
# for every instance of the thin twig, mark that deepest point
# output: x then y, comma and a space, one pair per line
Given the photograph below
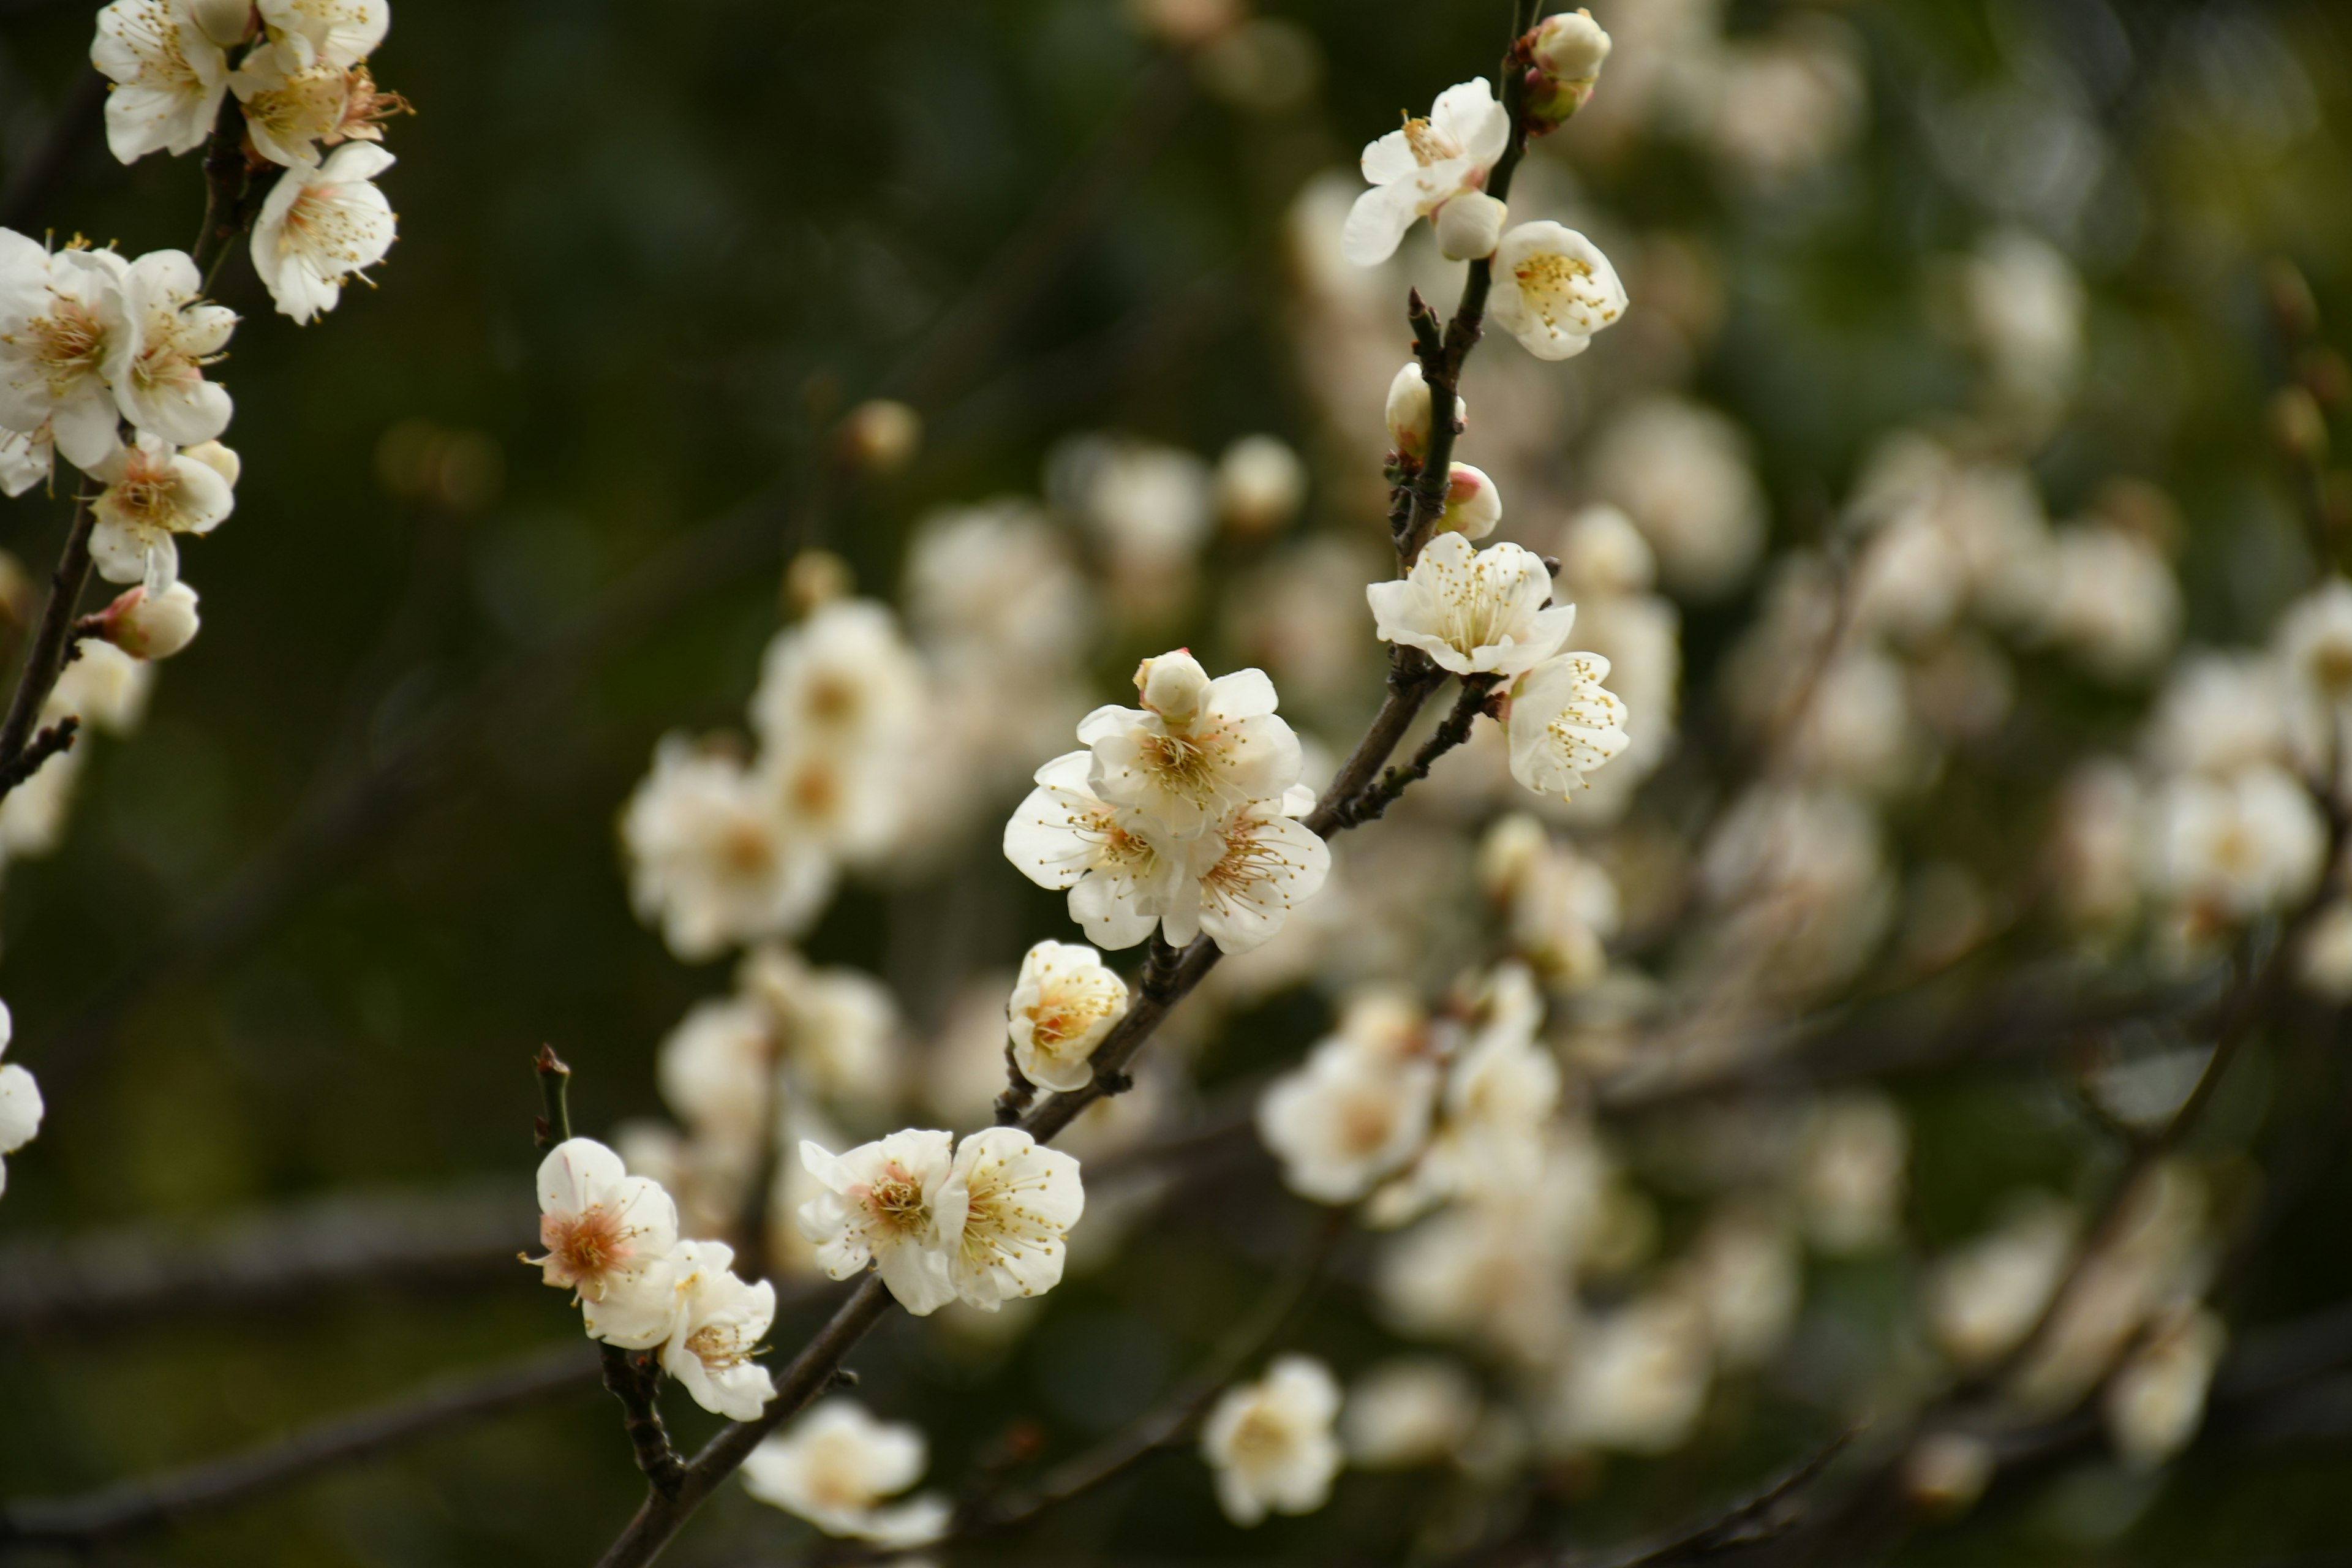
225, 172
54, 740
307, 1451
52, 647
1476, 691
1766, 1516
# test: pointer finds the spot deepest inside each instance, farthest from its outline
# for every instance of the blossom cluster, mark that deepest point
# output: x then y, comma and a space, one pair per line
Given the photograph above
298, 71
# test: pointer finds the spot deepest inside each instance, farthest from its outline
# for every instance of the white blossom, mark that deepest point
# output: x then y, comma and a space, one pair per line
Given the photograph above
105, 685
1986, 1295
1347, 1119
898, 1204
836, 1030
1473, 505
1553, 290
290, 99
153, 493
1242, 879
27, 458
1470, 226
1849, 1174
844, 679
62, 322
1636, 1379
1412, 1411
157, 368
1415, 170
1409, 405
708, 858
1745, 1273
1270, 1443
716, 1070
2235, 847
1563, 723
1063, 1006
150, 626
169, 76
2324, 963
338, 32
716, 1331
1570, 47
20, 1101
837, 1465
1682, 473
2155, 1402
1021, 1199
2109, 598
1121, 867
1261, 483
1474, 611
1196, 750
610, 1237
322, 226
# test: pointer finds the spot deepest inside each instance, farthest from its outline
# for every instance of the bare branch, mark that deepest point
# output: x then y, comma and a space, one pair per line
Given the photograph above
52, 649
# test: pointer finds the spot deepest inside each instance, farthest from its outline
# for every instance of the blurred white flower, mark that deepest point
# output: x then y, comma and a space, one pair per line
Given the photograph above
1151, 505
1021, 1198
1681, 472
2218, 713
62, 322
1261, 484
842, 682
1347, 1119
169, 76
1849, 1172
1563, 723
1635, 1380
1412, 1411
105, 685
994, 583
837, 1465
25, 459
896, 1204
1601, 552
836, 1029
1196, 750
2324, 964
1745, 1273
2155, 1401
1984, 1297
1062, 1007
1415, 170
610, 1237
2022, 303
1474, 611
708, 858
1269, 1443
716, 1070
716, 1331
20, 1101
1553, 290
2235, 847
2109, 598
1120, 867
1784, 105
153, 494
322, 226
2095, 843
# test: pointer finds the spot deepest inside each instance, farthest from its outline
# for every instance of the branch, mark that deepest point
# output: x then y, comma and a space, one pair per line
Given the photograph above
1768, 1515
52, 649
225, 172
1369, 806
170, 1496
53, 742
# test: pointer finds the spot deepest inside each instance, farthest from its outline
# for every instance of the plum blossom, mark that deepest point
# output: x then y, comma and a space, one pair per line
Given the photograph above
292, 99
898, 1204
62, 322
1409, 413
157, 368
20, 1101
1483, 612
1021, 1199
2236, 846
152, 495
1563, 723
716, 1331
1415, 170
27, 458
338, 32
1119, 867
1063, 1006
1636, 1379
1270, 1443
322, 226
1473, 505
169, 76
1242, 879
1568, 51
610, 1237
1412, 1411
1553, 290
1196, 750
835, 1468
708, 859
150, 627
2156, 1399
1347, 1119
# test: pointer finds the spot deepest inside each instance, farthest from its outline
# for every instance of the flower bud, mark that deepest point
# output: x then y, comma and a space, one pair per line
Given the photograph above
1173, 685
150, 626
881, 436
216, 457
1260, 485
1568, 47
1473, 505
1409, 413
1550, 102
1469, 226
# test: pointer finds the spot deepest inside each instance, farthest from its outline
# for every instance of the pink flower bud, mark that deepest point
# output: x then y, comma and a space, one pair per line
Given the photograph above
150, 626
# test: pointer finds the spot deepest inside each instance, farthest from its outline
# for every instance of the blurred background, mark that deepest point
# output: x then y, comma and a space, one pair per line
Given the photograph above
527, 505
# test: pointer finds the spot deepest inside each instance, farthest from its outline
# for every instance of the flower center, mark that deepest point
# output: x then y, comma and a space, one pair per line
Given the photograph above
897, 1201
69, 343
1185, 766
1429, 144
717, 1346
1562, 288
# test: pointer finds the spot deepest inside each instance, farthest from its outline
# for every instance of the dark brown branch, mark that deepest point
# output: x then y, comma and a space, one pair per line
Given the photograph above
54, 741
1369, 806
226, 171
635, 1378
52, 649
306, 1452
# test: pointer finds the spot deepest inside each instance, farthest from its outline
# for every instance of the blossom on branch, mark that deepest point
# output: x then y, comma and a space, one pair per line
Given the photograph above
1415, 170
336, 32
897, 1204
169, 76
610, 1237
157, 368
1118, 866
1553, 290
1270, 1443
1563, 723
835, 1468
20, 1101
1021, 1198
1063, 1004
716, 1331
1243, 877
150, 626
62, 322
322, 226
1473, 611
710, 861
1196, 750
153, 494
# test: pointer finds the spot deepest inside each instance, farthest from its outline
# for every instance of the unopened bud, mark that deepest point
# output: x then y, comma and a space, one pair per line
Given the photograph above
2297, 425
148, 626
1550, 103
1470, 226
1173, 685
881, 436
1570, 47
1473, 505
1946, 1472
1409, 413
216, 457
816, 577
1261, 484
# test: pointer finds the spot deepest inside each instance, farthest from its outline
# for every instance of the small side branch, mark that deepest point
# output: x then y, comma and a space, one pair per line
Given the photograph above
634, 1379
53, 742
1477, 691
226, 171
